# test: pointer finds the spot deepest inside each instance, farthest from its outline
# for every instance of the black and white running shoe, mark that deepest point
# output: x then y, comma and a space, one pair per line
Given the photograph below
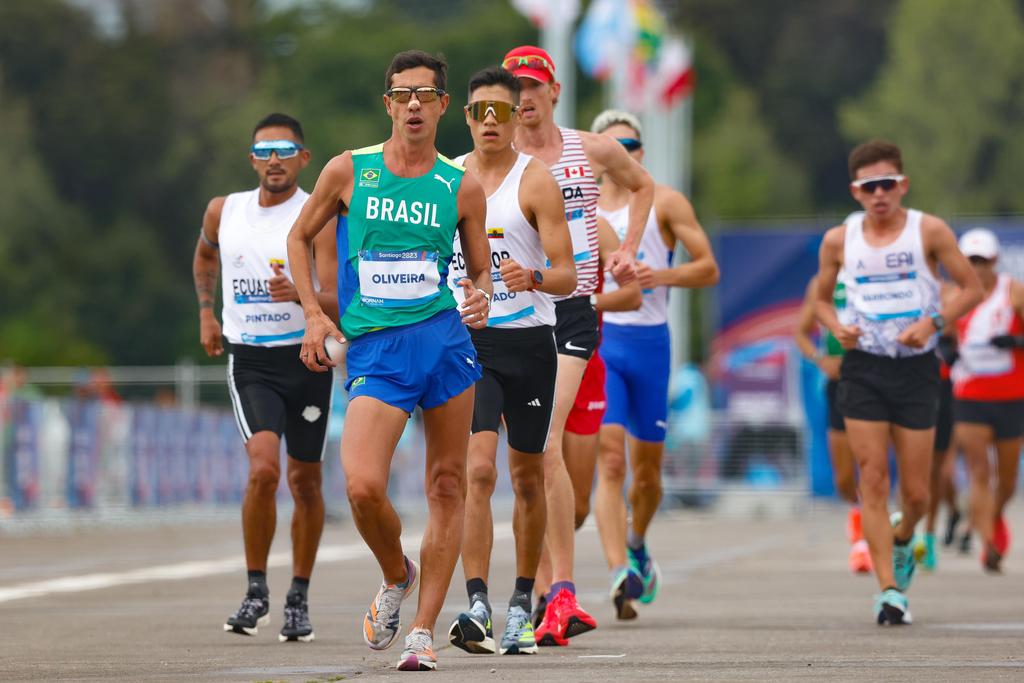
296, 620
254, 612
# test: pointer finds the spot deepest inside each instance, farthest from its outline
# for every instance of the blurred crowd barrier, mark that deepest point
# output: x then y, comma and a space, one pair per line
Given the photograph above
100, 444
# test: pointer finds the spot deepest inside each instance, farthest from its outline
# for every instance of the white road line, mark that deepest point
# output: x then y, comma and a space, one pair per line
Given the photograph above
195, 569
619, 656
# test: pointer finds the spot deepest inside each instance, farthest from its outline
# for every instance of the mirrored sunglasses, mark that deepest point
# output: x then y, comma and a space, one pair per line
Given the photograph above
869, 185
631, 144
503, 111
424, 93
285, 149
530, 62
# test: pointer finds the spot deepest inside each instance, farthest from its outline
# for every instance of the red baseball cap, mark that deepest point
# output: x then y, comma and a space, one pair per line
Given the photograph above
529, 61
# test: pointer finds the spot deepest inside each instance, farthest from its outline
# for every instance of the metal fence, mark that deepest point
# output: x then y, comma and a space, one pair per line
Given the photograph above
173, 443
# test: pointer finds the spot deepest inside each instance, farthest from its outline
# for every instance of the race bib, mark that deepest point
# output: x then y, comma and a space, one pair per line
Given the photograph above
394, 279
578, 233
507, 306
887, 297
983, 359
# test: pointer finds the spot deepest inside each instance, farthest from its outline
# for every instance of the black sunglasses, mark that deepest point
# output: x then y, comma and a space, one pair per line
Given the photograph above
631, 144
979, 260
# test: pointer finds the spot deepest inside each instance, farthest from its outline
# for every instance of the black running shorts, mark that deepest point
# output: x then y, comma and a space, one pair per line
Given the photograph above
835, 418
518, 382
944, 426
903, 391
576, 327
1006, 418
271, 390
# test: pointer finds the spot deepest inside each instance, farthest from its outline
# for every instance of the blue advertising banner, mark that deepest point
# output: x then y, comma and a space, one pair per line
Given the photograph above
756, 372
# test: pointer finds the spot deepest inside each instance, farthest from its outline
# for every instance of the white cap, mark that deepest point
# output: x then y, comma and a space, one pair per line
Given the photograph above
979, 242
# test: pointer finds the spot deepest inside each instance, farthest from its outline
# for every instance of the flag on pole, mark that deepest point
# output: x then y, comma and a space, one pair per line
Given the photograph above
658, 64
544, 13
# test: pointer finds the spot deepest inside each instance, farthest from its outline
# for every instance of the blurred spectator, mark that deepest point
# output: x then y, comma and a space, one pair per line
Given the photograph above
96, 385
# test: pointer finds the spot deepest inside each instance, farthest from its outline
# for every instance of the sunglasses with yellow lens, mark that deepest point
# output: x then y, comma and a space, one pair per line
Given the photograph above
502, 111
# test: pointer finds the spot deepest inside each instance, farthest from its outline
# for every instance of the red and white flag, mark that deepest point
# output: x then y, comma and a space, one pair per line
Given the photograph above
547, 12
574, 172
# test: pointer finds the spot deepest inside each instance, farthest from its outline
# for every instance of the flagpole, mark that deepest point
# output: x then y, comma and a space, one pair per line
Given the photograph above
556, 38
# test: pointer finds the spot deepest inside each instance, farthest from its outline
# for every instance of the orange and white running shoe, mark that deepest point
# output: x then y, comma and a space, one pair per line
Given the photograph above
418, 654
860, 558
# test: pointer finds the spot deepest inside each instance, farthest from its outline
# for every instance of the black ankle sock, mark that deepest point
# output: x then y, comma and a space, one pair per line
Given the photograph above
300, 585
476, 585
258, 582
522, 599
902, 543
524, 584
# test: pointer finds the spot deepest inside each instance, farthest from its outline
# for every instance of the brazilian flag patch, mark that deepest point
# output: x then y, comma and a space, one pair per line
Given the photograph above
369, 177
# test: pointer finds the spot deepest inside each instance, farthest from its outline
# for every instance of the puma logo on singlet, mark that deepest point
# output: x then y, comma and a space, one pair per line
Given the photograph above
447, 183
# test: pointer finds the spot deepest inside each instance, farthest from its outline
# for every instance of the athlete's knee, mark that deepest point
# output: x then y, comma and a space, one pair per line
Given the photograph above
446, 487
528, 484
305, 484
482, 477
365, 495
264, 475
874, 484
612, 465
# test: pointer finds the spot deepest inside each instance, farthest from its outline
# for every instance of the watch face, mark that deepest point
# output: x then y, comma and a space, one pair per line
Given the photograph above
538, 277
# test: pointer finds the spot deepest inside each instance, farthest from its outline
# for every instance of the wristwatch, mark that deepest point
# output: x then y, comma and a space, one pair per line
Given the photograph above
536, 279
938, 321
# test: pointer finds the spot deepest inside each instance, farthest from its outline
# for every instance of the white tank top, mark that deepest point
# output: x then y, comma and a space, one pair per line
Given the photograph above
652, 252
888, 288
510, 236
580, 193
252, 237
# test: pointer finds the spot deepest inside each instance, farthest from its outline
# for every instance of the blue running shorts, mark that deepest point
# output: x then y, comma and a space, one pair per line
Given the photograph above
425, 363
638, 359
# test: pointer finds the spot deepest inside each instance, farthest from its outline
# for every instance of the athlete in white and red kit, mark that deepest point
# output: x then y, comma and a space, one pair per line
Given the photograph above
988, 390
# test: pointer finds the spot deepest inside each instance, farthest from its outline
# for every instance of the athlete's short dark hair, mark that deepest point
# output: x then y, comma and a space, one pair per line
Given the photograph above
495, 75
873, 151
282, 120
410, 59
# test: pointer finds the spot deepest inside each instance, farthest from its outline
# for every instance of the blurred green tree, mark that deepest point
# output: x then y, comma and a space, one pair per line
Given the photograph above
950, 95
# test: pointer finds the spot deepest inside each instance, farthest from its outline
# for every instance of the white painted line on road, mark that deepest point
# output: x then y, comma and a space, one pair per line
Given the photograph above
195, 569
620, 656
990, 626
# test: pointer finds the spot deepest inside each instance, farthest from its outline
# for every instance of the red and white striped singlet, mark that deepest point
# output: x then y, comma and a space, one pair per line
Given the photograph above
580, 193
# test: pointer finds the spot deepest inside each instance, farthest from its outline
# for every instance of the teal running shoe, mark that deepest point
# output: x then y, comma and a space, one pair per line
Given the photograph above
627, 586
518, 638
471, 630
891, 607
931, 558
904, 561
649, 573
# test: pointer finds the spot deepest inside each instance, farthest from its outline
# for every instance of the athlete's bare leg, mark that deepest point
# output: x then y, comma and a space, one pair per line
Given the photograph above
529, 516
844, 471
372, 431
478, 533
559, 541
580, 461
869, 441
914, 460
304, 480
645, 491
1008, 463
447, 433
610, 504
259, 506
973, 440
